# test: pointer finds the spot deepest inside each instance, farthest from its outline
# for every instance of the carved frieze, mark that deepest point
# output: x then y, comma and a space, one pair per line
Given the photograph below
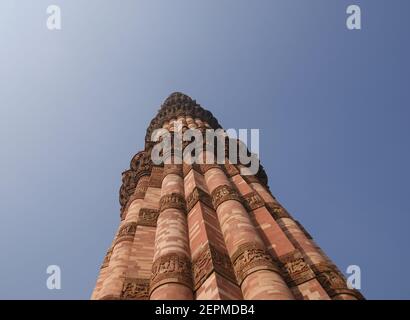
140, 192
198, 195
172, 200
333, 281
277, 211
107, 258
126, 232
295, 268
171, 267
127, 187
179, 104
148, 217
253, 201
222, 194
211, 260
140, 166
249, 257
135, 289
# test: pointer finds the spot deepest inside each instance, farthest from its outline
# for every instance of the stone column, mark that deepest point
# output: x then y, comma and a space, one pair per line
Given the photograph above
136, 284
258, 276
213, 274
171, 272
112, 286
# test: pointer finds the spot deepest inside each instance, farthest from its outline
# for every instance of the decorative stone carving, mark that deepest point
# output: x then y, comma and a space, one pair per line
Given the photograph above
295, 268
135, 289
250, 257
140, 166
127, 187
333, 281
224, 193
198, 195
171, 267
179, 104
173, 200
126, 232
148, 217
107, 258
277, 211
140, 192
211, 260
253, 201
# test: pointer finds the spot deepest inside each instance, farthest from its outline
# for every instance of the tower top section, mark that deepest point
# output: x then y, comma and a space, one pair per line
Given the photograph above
180, 105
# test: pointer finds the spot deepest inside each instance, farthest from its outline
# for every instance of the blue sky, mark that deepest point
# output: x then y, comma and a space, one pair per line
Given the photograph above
332, 106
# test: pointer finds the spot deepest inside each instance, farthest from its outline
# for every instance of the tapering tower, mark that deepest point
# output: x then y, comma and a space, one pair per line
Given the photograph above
208, 231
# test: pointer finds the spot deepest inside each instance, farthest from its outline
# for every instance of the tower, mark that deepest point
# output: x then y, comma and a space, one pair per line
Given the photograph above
208, 231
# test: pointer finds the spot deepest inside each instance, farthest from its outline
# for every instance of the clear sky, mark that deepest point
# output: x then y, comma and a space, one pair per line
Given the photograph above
332, 106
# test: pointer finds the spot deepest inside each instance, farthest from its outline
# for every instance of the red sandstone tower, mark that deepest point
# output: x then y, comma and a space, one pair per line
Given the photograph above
206, 231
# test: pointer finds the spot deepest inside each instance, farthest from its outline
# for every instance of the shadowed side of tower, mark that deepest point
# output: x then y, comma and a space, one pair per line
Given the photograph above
208, 231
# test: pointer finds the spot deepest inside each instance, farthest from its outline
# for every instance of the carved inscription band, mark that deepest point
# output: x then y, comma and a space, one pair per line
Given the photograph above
249, 258
107, 259
140, 192
211, 260
171, 267
126, 232
224, 193
295, 268
253, 201
333, 281
173, 200
135, 289
277, 211
148, 217
198, 195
